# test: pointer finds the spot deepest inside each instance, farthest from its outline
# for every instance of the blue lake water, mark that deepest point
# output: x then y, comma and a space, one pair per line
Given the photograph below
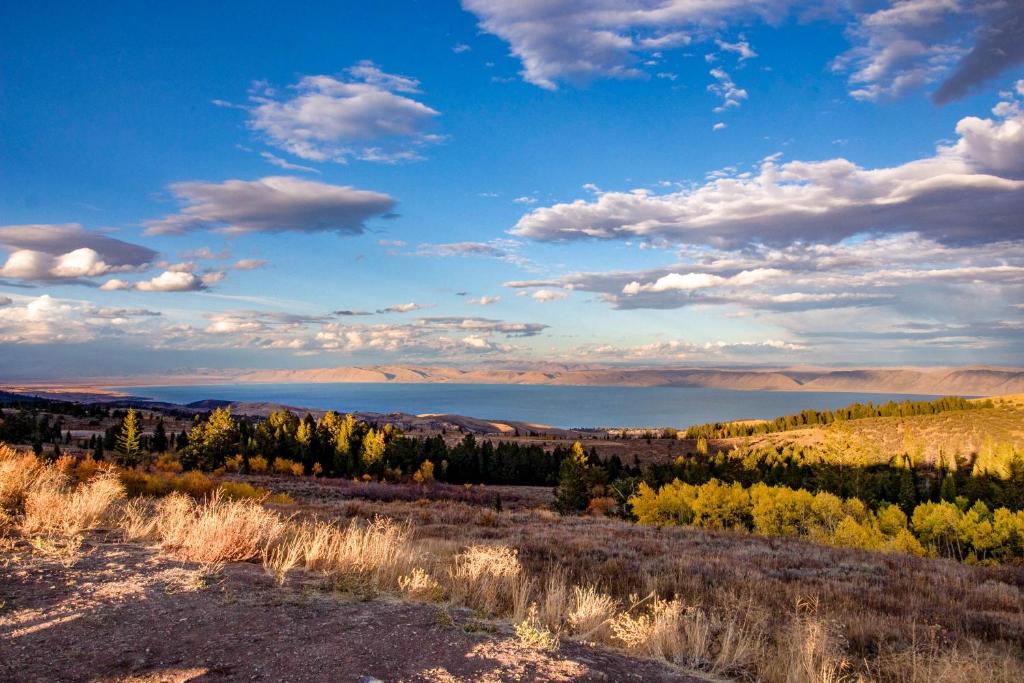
558, 406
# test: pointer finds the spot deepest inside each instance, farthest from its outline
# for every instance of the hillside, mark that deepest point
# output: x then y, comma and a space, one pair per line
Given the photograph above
974, 381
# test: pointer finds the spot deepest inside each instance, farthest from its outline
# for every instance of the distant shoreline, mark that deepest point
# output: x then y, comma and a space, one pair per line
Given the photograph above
965, 381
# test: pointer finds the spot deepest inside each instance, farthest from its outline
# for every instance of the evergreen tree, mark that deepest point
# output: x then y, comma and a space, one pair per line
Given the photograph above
573, 492
129, 444
947, 491
159, 442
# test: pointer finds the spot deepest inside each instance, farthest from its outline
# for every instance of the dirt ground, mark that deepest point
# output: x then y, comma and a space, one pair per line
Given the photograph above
122, 612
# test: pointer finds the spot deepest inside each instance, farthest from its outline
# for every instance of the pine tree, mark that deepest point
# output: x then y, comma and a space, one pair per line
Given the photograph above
129, 443
947, 491
572, 492
159, 437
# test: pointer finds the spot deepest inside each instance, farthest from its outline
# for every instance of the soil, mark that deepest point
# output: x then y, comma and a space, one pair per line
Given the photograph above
122, 612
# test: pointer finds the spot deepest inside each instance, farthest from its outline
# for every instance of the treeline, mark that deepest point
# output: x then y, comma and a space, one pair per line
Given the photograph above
341, 446
945, 528
994, 476
854, 411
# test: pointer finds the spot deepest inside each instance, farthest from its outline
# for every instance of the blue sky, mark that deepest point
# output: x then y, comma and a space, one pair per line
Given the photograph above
254, 185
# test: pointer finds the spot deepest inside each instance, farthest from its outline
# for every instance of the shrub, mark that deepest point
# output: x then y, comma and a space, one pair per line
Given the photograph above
87, 468
533, 634
602, 506
243, 491
258, 464
234, 463
139, 483
425, 474
193, 483
285, 466
167, 462
281, 499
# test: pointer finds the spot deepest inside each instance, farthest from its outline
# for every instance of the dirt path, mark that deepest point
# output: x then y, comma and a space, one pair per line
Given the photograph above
124, 613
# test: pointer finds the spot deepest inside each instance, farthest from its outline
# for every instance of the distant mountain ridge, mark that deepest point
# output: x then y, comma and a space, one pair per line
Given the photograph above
968, 381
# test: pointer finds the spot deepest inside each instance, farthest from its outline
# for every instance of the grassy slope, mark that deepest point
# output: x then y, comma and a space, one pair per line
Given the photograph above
953, 432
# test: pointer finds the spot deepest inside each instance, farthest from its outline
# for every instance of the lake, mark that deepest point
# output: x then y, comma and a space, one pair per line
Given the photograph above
557, 406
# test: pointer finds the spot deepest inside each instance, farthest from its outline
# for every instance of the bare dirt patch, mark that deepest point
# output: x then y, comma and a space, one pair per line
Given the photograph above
122, 612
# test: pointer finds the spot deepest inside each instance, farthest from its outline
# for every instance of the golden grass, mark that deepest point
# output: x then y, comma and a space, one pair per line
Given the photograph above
489, 579
218, 530
53, 507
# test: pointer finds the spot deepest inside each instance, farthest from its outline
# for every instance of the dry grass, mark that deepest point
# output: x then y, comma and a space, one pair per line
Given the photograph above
219, 530
52, 506
716, 602
489, 579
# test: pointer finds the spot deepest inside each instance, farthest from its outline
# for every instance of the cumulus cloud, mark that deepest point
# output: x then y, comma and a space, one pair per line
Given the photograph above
172, 281
115, 284
578, 41
366, 114
271, 204
47, 320
896, 46
724, 88
968, 192
67, 252
547, 295
484, 300
905, 272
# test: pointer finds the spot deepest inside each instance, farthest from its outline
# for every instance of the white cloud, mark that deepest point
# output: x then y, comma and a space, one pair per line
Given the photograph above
718, 126
115, 284
67, 252
484, 300
741, 48
47, 320
731, 95
172, 281
249, 264
966, 192
525, 200
547, 295
687, 282
578, 41
285, 164
271, 204
367, 115
402, 308
898, 45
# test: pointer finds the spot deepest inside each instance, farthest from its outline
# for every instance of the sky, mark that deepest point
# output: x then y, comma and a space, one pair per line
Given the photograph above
741, 182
